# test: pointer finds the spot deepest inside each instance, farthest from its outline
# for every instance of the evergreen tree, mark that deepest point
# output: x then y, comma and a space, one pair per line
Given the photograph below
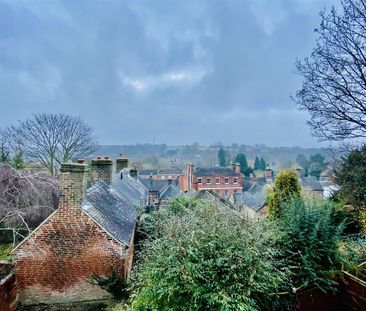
317, 165
256, 164
263, 164
221, 157
351, 177
286, 188
242, 160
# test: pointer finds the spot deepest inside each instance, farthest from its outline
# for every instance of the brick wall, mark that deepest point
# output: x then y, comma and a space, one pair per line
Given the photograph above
8, 288
101, 169
223, 188
55, 263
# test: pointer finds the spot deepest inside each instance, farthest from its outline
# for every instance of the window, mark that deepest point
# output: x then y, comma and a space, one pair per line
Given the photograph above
208, 181
217, 181
199, 180
235, 180
226, 180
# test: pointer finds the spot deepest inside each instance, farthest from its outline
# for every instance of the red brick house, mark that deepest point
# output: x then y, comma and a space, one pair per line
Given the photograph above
91, 232
225, 181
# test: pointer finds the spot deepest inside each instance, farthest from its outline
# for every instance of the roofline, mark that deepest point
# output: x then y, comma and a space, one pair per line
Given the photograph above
105, 230
36, 229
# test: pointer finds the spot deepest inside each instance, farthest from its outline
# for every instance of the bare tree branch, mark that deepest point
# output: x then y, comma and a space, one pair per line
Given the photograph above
334, 84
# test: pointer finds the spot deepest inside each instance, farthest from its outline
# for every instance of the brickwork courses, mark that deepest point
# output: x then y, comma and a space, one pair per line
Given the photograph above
56, 262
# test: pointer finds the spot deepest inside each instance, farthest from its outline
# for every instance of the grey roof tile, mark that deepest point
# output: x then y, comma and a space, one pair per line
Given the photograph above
207, 171
130, 187
310, 183
116, 215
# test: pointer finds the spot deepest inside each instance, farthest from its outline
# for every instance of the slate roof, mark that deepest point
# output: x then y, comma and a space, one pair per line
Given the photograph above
211, 195
114, 214
129, 187
208, 171
170, 192
167, 171
310, 183
254, 197
155, 185
148, 172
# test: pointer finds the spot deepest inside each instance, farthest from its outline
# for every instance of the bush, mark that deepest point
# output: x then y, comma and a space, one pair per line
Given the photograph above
310, 240
209, 258
286, 187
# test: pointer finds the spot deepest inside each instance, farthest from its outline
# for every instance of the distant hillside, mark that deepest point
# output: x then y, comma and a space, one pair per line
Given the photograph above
162, 155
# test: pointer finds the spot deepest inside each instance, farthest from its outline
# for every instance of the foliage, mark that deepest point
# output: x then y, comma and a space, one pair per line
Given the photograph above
310, 239
50, 139
114, 284
286, 187
334, 85
209, 258
351, 177
5, 250
262, 164
4, 154
244, 168
221, 155
317, 164
27, 197
259, 164
256, 163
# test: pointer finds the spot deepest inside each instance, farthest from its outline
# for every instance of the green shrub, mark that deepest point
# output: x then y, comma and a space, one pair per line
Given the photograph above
209, 258
286, 187
310, 240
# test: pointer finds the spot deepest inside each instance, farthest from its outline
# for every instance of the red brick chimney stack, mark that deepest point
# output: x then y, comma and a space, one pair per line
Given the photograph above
73, 183
101, 169
121, 163
190, 176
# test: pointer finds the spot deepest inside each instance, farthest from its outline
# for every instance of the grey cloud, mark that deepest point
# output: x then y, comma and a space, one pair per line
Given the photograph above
181, 71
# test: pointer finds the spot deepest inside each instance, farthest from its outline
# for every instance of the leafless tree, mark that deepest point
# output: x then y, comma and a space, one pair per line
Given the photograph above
26, 198
334, 76
51, 139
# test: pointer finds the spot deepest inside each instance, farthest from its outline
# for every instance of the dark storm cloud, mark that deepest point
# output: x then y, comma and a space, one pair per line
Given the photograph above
179, 71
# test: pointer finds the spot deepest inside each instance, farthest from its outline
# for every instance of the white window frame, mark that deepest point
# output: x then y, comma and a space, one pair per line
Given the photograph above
228, 180
236, 180
208, 181
219, 181
199, 180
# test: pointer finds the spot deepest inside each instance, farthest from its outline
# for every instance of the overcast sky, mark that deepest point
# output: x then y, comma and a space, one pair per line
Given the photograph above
175, 71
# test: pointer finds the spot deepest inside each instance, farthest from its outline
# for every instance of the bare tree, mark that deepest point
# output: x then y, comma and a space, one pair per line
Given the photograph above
27, 197
51, 139
334, 76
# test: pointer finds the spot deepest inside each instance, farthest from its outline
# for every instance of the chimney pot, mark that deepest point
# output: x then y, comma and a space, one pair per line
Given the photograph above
80, 161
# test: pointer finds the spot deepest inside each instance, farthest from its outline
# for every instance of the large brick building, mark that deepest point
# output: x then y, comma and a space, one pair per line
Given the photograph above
91, 232
225, 181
